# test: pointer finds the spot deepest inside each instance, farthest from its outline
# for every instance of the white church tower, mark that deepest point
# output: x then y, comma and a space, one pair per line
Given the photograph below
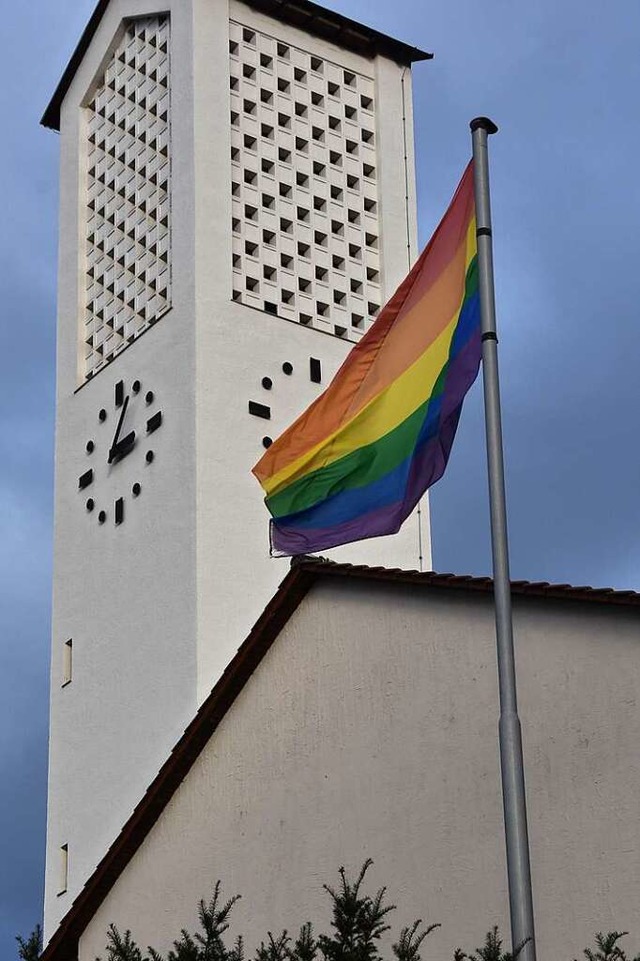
236, 203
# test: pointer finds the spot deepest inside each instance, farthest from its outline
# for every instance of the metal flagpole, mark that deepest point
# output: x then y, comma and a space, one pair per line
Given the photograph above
511, 762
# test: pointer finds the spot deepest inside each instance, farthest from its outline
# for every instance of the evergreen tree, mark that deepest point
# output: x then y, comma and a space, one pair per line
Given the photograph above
206, 946
358, 920
491, 950
121, 947
30, 949
306, 946
358, 923
607, 948
276, 949
408, 946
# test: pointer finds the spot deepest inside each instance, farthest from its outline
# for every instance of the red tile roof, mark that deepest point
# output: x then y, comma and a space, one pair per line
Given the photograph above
607, 595
304, 572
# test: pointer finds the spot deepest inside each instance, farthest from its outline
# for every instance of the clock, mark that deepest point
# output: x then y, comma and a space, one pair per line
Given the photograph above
118, 448
264, 411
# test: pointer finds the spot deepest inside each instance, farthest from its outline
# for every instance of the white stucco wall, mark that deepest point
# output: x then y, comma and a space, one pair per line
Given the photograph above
158, 606
134, 663
370, 729
237, 346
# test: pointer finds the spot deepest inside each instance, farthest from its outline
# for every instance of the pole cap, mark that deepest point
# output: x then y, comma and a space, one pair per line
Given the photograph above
483, 123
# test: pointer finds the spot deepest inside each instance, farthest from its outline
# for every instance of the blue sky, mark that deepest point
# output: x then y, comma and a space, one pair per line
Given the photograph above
562, 81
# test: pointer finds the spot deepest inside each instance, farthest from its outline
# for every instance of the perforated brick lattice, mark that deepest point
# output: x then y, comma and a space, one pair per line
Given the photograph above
128, 255
305, 202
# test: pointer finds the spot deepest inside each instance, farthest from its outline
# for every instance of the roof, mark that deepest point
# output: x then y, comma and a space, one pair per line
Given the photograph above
304, 573
299, 13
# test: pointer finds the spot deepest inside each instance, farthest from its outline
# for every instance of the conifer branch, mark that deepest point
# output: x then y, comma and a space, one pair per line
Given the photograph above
608, 948
30, 949
491, 950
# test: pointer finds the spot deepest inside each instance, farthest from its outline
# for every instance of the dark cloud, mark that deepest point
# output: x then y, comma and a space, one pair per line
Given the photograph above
562, 82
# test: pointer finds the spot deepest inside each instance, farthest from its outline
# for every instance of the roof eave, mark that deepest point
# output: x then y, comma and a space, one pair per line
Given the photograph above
302, 13
51, 116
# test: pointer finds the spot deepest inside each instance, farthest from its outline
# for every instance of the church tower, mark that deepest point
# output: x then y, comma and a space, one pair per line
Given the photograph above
236, 203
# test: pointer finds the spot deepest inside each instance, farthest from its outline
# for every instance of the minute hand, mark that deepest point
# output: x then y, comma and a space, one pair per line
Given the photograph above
114, 443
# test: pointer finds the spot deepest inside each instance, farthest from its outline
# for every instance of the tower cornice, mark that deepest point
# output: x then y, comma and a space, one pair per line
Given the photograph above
309, 16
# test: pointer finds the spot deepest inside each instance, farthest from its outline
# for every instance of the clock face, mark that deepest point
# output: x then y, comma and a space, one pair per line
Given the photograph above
119, 446
263, 410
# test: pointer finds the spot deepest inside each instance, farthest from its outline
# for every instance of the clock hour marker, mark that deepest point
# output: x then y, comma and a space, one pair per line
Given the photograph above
89, 505
119, 390
267, 383
135, 387
315, 370
119, 510
149, 397
85, 479
102, 516
102, 415
90, 446
149, 456
259, 410
267, 441
287, 368
154, 422
135, 490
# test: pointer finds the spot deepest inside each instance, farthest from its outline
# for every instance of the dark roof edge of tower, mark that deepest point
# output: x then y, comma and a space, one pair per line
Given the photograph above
51, 116
304, 572
299, 13
341, 30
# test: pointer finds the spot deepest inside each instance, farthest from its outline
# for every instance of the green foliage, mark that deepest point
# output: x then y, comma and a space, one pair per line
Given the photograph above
209, 946
607, 948
206, 946
358, 923
276, 949
491, 950
30, 949
121, 947
408, 946
358, 920
306, 946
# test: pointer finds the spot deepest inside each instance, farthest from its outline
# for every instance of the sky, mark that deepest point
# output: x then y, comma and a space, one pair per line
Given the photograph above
561, 79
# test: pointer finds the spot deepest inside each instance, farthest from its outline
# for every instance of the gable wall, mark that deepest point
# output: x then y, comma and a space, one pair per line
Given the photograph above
370, 729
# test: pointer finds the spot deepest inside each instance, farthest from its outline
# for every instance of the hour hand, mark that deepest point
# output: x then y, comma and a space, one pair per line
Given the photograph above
115, 443
122, 448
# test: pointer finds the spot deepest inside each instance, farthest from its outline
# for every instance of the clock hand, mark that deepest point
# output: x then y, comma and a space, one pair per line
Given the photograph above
122, 448
114, 443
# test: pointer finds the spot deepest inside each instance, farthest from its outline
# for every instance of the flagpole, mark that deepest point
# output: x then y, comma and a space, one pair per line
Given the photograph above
511, 760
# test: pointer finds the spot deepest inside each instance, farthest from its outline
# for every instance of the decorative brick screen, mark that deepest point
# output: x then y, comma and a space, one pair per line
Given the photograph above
305, 202
128, 253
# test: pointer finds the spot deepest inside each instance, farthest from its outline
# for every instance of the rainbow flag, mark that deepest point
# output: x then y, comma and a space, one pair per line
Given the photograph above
356, 462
